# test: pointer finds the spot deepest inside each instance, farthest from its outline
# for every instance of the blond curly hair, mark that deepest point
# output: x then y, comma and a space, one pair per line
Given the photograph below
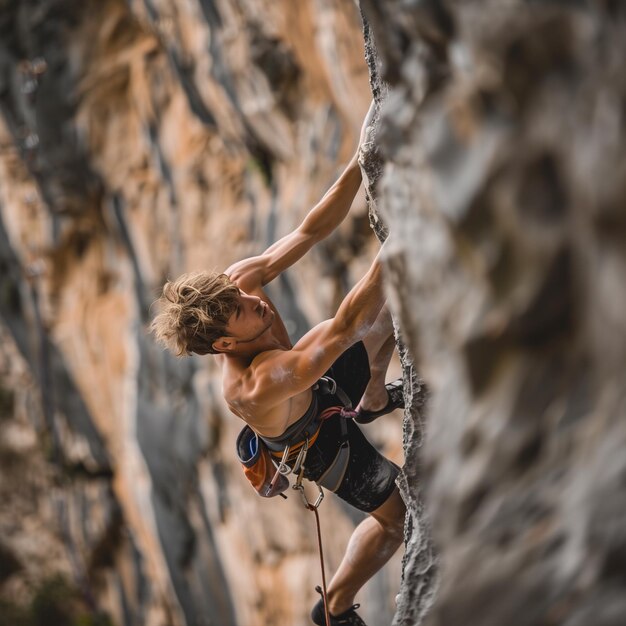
194, 311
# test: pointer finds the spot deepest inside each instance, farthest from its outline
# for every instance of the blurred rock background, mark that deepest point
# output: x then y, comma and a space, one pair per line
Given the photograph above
139, 140
142, 139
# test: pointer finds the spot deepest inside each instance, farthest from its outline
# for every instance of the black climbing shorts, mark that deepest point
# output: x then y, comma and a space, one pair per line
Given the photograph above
370, 478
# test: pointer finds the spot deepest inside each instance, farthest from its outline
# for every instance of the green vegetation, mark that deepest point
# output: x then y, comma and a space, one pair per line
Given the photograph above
262, 166
55, 602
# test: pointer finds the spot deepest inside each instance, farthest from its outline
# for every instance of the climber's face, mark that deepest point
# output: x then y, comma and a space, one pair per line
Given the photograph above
251, 320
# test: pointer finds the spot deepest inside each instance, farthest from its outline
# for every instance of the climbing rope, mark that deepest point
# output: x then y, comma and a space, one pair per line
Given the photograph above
321, 551
314, 507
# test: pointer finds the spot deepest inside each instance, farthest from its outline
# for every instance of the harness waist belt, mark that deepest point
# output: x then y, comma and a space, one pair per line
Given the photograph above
305, 427
309, 424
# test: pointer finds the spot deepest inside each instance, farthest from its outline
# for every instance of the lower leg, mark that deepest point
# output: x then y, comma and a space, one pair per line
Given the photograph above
373, 543
380, 344
375, 396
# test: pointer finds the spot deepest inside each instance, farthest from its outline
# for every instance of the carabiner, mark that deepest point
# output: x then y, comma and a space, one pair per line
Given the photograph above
283, 468
300, 487
299, 462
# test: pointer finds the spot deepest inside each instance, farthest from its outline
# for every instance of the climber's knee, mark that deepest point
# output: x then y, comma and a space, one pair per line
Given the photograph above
391, 514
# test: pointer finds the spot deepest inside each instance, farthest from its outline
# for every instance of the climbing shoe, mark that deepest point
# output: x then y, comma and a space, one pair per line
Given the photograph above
395, 400
347, 618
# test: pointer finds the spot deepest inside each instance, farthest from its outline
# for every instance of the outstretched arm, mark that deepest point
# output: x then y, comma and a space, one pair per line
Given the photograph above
323, 218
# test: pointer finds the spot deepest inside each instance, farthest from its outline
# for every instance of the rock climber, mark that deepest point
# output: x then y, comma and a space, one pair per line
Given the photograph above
276, 387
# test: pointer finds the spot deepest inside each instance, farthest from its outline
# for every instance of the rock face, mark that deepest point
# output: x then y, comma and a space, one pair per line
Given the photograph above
502, 183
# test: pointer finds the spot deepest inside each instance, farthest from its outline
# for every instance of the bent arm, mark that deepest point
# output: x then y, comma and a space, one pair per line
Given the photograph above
323, 218
322, 345
320, 222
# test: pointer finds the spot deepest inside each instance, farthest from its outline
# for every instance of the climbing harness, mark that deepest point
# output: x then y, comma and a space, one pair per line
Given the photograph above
267, 461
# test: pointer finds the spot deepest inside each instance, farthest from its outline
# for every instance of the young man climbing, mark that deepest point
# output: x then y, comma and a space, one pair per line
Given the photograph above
298, 398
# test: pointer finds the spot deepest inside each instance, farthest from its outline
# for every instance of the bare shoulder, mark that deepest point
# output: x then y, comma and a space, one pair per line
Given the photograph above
251, 384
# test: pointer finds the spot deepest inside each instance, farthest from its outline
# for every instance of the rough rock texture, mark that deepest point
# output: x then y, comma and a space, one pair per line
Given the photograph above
419, 565
501, 141
139, 140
